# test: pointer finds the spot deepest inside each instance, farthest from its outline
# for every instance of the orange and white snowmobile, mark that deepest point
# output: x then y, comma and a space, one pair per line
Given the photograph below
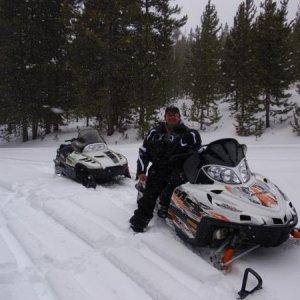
227, 207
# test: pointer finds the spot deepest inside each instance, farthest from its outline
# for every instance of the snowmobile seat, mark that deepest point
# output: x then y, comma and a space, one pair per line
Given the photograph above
65, 149
78, 144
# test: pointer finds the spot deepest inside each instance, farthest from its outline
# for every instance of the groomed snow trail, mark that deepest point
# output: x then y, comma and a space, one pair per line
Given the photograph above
59, 240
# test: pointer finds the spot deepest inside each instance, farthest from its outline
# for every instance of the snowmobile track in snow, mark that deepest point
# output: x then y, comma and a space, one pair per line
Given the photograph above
52, 247
40, 224
64, 242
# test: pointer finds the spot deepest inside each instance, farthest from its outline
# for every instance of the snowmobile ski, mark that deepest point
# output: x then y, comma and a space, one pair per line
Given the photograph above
243, 293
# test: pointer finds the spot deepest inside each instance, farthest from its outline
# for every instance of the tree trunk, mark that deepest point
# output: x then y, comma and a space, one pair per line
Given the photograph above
47, 128
24, 131
110, 122
99, 121
267, 105
34, 130
56, 127
67, 116
236, 102
141, 116
201, 119
9, 128
110, 128
87, 121
112, 112
141, 122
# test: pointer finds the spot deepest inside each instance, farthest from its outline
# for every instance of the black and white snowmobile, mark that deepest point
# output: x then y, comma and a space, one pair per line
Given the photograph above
88, 160
227, 207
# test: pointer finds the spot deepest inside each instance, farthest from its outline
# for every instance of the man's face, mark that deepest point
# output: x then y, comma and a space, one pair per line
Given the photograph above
172, 118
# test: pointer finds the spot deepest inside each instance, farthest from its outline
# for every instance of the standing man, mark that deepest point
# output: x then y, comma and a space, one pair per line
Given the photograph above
166, 146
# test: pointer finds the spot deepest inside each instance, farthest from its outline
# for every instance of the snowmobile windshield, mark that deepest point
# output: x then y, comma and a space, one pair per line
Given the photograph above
221, 155
225, 152
91, 136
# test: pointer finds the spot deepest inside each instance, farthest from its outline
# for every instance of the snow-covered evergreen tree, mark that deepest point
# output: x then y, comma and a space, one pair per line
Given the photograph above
33, 63
180, 52
239, 71
296, 45
153, 57
276, 70
102, 60
205, 69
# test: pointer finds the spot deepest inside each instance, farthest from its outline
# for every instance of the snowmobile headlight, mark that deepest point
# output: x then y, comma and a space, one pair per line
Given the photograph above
229, 176
95, 147
214, 172
222, 174
244, 171
220, 234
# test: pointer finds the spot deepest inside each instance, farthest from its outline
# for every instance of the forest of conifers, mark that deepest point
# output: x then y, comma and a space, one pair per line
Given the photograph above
118, 62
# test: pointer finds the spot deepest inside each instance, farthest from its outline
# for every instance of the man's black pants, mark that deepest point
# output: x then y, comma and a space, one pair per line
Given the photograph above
159, 184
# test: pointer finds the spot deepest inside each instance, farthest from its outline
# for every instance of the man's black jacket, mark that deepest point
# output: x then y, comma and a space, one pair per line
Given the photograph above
167, 150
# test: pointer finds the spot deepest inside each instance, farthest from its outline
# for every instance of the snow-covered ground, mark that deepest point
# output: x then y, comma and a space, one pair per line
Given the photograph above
59, 240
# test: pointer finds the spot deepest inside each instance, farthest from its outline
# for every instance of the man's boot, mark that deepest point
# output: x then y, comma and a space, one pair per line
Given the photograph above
138, 224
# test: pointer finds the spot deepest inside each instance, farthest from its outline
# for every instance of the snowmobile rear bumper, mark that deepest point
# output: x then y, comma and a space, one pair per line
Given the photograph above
263, 235
108, 173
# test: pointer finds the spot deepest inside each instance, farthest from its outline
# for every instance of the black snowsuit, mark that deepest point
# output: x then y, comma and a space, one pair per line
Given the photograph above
167, 152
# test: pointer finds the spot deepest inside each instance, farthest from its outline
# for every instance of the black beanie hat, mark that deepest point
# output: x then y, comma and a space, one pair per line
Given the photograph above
172, 109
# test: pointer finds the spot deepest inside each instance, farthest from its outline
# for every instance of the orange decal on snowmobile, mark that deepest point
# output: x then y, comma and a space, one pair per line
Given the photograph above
171, 215
228, 188
219, 217
266, 199
296, 233
178, 201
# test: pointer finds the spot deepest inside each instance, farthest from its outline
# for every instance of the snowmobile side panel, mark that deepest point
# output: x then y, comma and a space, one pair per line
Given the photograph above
69, 172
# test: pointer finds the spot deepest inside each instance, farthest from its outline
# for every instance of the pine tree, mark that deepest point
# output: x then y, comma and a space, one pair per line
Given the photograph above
13, 67
187, 65
273, 46
239, 71
102, 59
153, 57
204, 65
296, 45
180, 51
224, 35
32, 47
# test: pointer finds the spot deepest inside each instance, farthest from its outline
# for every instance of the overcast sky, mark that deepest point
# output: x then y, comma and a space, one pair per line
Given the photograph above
226, 10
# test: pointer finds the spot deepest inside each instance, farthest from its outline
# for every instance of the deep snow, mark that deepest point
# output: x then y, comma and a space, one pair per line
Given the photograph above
59, 240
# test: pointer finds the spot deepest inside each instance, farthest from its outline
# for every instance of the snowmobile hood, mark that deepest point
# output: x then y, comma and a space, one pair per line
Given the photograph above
101, 154
258, 202
97, 156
